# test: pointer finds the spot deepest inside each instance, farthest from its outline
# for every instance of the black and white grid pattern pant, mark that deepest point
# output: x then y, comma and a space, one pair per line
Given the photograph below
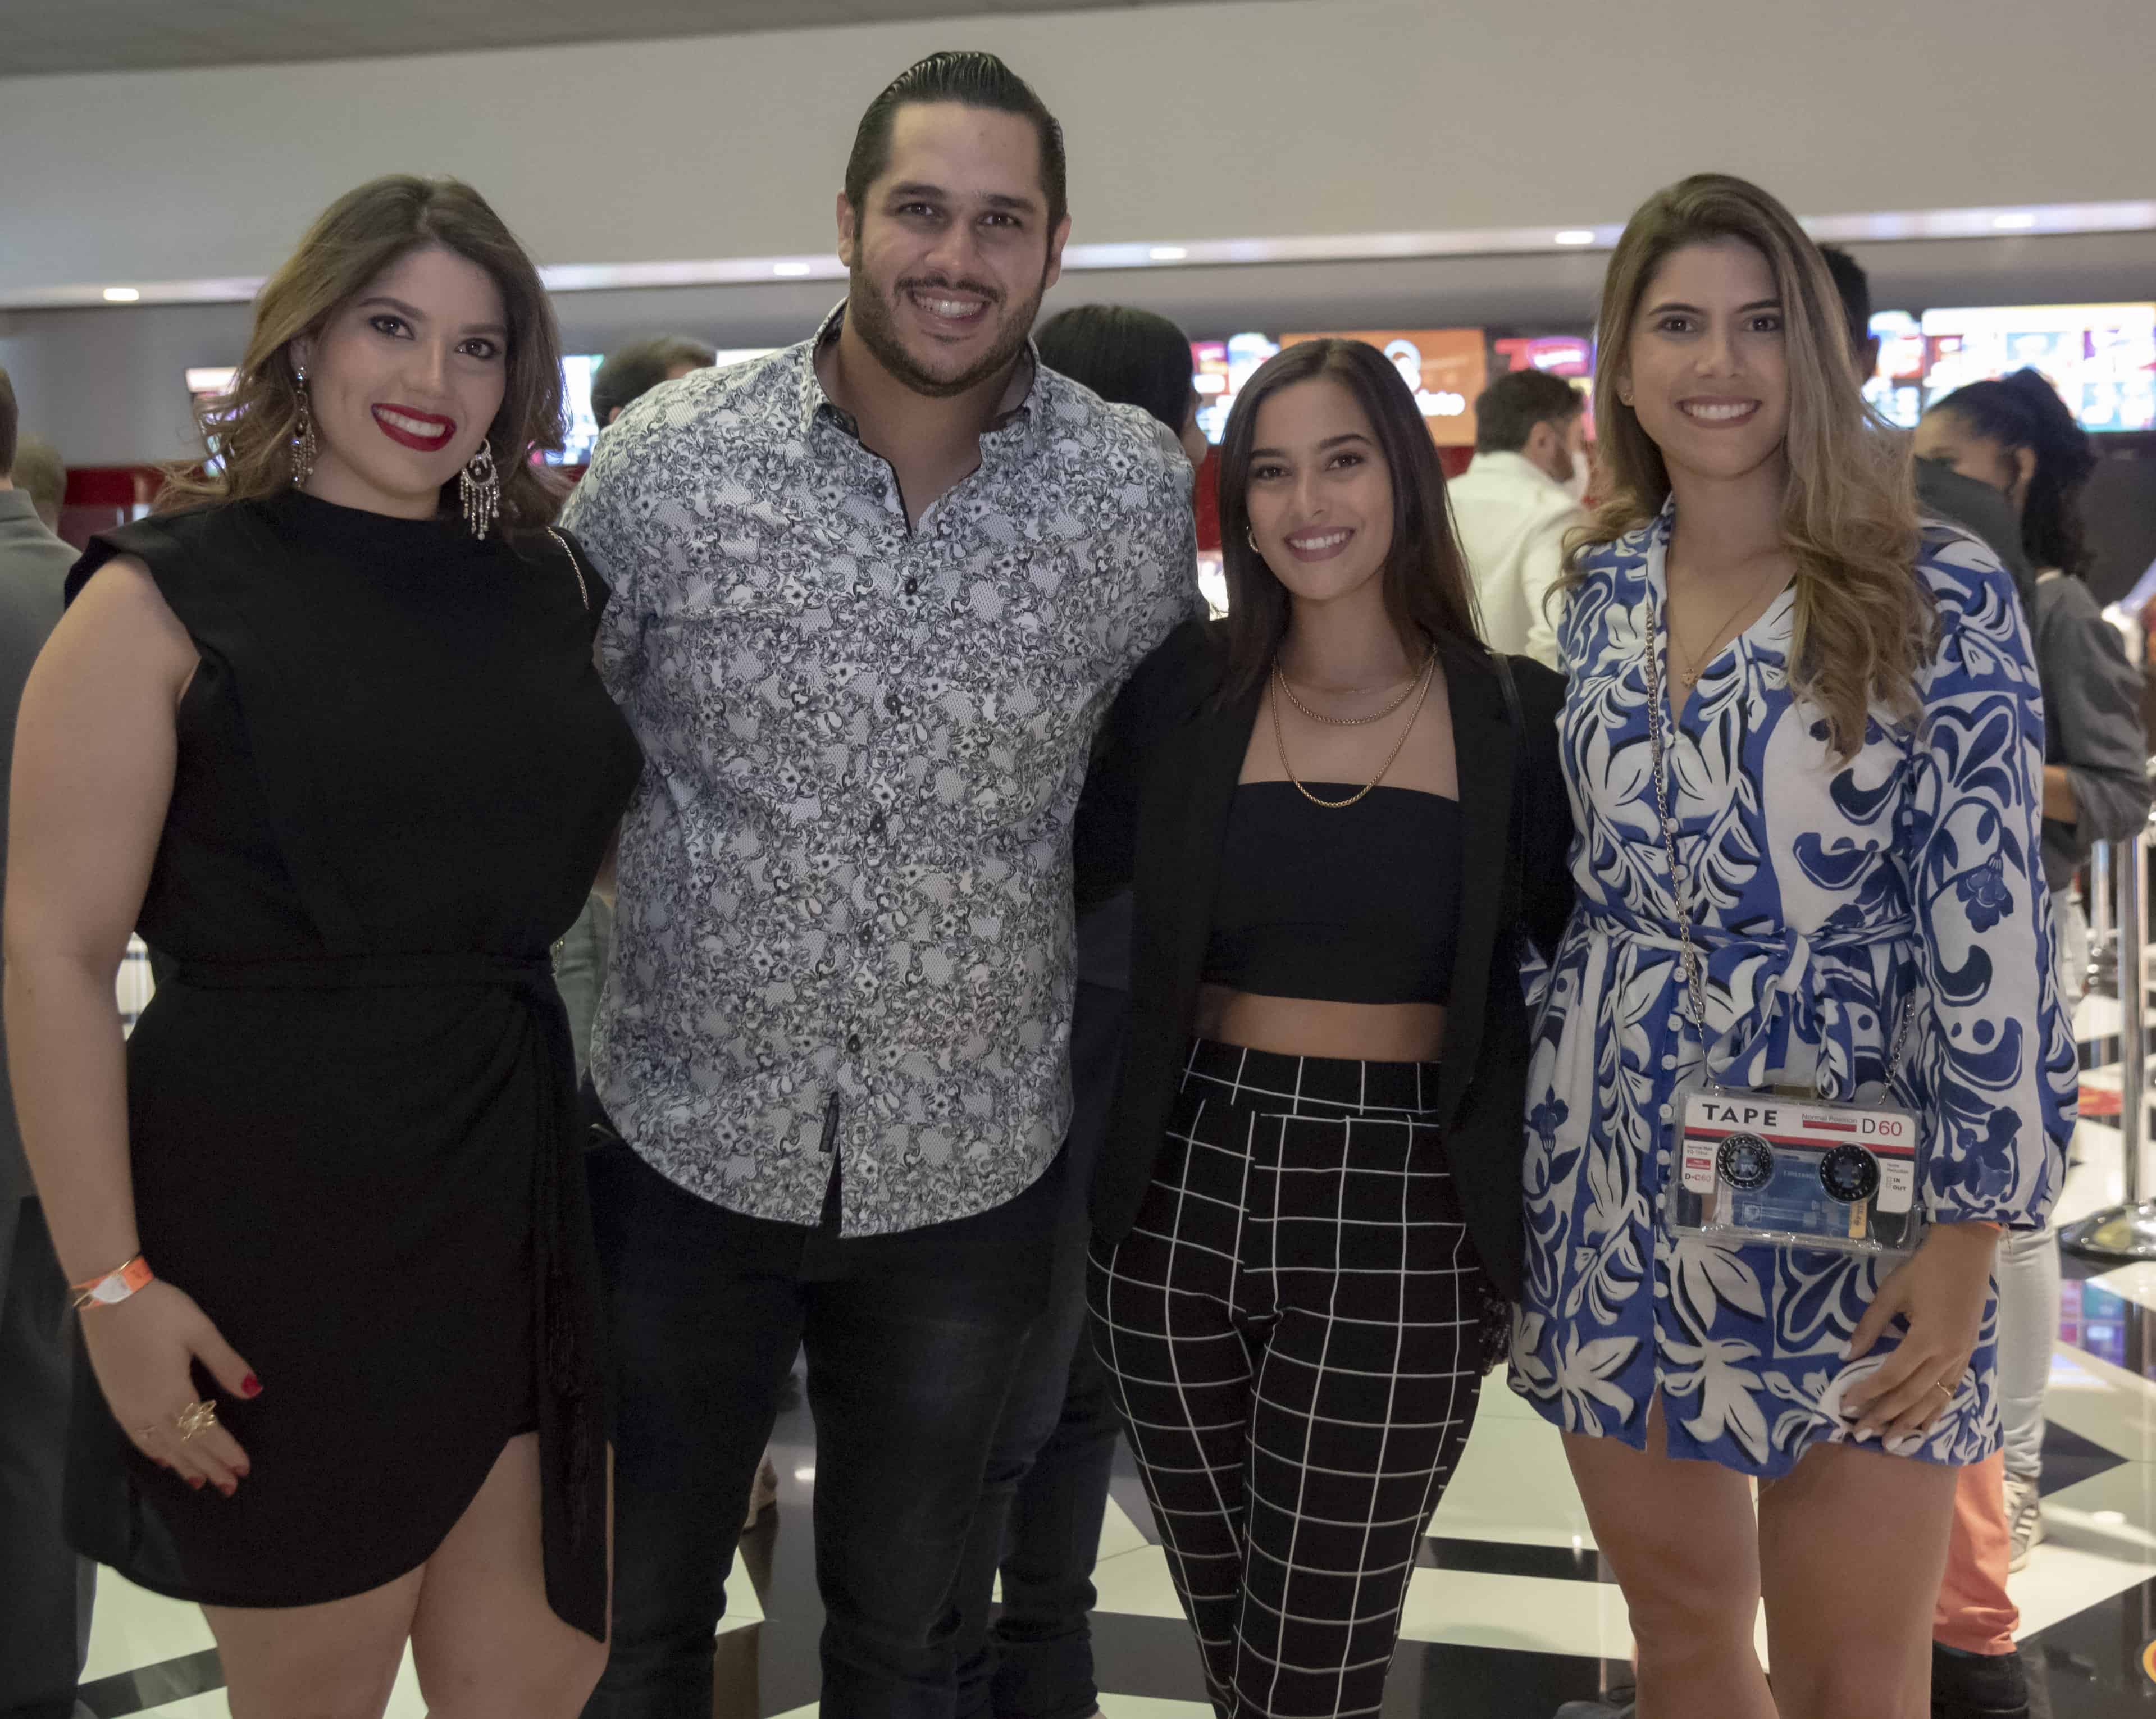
1293, 1330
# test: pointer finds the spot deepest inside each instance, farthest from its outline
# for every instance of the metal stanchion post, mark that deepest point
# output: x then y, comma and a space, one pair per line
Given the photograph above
2126, 1231
2103, 946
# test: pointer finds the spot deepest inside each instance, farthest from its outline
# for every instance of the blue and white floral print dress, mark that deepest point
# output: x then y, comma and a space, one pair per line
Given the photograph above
1824, 897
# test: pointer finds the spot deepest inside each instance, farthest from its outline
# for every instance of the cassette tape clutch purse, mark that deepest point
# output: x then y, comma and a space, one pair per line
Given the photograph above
1758, 1168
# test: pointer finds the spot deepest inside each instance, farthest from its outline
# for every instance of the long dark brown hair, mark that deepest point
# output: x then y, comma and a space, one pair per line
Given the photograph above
1428, 593
247, 430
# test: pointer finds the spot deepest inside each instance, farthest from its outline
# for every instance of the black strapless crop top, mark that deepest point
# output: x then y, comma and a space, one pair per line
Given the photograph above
1355, 905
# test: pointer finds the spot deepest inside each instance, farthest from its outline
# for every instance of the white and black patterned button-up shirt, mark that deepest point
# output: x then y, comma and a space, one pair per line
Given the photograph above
845, 920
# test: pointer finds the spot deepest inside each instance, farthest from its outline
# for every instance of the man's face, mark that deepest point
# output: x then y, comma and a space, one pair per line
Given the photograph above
950, 251
1571, 447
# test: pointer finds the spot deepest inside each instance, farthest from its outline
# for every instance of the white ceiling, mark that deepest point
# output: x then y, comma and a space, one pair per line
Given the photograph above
40, 36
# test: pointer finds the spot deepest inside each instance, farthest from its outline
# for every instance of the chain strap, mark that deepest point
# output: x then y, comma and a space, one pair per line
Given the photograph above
575, 566
1680, 880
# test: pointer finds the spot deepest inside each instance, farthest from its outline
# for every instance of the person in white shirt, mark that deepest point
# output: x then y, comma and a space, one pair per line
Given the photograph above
1513, 505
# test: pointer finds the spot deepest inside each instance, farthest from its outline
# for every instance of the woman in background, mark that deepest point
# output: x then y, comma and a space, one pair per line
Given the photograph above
2017, 436
332, 738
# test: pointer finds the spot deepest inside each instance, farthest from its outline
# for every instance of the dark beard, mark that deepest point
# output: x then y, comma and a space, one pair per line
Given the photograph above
873, 321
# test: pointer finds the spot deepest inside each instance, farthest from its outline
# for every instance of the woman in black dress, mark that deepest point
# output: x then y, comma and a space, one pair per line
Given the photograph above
333, 740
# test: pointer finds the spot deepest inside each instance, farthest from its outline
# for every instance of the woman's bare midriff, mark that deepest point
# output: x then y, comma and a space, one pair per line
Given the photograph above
1296, 1026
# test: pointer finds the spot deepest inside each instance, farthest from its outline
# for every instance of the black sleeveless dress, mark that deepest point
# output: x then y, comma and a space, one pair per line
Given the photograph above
351, 1108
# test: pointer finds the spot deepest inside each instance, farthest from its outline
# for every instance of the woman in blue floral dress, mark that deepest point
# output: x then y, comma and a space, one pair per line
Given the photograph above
1854, 763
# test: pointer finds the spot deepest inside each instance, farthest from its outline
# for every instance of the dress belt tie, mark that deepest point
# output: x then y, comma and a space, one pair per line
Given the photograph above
1796, 994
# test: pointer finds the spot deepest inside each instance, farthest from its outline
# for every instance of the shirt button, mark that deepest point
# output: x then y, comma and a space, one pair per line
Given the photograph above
878, 823
912, 586
854, 1043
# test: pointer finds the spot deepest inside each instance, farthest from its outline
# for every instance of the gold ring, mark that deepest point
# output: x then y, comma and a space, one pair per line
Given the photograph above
1941, 1385
195, 1419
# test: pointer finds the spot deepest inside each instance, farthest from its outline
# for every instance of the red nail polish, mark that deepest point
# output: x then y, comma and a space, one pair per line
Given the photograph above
195, 1482
250, 1386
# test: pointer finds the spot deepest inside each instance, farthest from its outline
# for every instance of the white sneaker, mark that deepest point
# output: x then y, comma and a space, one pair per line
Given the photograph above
2025, 1518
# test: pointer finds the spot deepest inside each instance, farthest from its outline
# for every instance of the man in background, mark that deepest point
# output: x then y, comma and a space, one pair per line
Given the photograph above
1941, 491
1514, 505
44, 1589
41, 474
632, 371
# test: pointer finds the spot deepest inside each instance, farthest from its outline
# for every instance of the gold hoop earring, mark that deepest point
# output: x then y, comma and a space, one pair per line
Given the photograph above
479, 487
304, 446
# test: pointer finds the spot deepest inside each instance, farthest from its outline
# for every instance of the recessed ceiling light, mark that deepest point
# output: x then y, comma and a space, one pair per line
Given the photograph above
1576, 235
789, 268
2108, 1518
122, 295
1167, 253
2013, 222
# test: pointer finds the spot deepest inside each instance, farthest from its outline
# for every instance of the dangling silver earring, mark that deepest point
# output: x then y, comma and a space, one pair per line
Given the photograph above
303, 447
479, 486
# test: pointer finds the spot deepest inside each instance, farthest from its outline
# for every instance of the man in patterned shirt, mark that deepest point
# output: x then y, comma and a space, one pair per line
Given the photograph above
872, 595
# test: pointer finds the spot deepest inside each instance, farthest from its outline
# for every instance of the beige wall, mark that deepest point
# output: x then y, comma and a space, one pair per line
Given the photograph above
1274, 117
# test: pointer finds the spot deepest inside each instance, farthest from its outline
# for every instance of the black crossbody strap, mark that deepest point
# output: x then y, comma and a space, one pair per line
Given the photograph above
1515, 895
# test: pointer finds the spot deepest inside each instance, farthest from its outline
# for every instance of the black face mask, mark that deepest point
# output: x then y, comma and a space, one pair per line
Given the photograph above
1948, 465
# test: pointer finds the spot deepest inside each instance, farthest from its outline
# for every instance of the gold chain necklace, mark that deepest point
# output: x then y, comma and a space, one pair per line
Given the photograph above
1279, 738
1690, 676
1288, 687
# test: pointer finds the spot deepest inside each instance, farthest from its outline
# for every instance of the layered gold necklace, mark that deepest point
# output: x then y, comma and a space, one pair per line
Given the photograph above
1418, 688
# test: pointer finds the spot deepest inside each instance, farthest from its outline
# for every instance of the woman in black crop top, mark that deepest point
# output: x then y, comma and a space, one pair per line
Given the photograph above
1338, 809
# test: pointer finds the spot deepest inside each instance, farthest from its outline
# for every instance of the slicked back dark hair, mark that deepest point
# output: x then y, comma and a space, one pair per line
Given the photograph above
972, 79
632, 371
1507, 411
1127, 356
1854, 286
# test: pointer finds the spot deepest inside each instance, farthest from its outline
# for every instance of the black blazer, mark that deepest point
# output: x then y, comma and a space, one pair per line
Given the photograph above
1155, 814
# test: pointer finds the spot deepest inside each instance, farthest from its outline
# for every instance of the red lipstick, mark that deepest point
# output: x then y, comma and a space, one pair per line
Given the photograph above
428, 432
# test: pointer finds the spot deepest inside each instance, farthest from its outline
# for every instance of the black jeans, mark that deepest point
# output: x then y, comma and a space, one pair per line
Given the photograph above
911, 1341
1046, 1491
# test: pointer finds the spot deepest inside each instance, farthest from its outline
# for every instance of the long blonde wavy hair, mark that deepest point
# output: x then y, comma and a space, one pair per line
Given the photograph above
1864, 621
247, 430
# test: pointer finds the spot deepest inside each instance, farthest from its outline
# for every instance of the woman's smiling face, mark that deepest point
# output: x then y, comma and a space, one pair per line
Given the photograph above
1708, 369
404, 381
1320, 498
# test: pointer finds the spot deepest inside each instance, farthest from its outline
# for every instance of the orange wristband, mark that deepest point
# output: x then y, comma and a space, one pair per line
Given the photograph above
116, 1285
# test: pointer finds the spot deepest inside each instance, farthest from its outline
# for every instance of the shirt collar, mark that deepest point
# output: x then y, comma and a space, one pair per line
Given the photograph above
16, 504
1019, 417
1511, 460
